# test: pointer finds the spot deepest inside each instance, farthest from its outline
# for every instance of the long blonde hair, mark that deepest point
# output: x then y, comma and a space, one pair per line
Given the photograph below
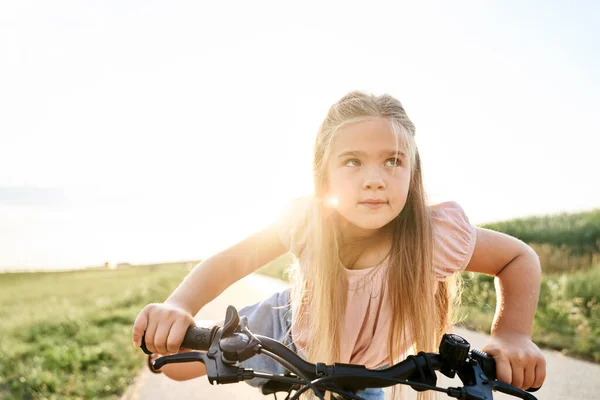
420, 313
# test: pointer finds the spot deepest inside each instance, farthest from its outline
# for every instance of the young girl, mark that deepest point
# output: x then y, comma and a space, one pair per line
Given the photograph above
376, 266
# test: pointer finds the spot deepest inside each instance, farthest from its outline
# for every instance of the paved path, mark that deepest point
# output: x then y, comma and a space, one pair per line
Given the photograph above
567, 378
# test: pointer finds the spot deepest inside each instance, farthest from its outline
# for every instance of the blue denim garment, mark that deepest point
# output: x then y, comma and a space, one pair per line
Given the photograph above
371, 394
272, 317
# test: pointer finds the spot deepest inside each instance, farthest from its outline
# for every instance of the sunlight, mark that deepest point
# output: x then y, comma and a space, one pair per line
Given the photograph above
333, 201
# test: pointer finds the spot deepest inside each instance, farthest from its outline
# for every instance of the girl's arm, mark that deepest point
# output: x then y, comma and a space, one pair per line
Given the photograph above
215, 274
517, 268
165, 324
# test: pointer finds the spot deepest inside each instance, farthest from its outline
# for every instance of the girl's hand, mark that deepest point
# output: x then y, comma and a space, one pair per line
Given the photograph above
519, 362
164, 325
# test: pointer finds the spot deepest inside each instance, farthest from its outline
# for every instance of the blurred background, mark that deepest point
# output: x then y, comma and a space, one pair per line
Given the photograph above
146, 133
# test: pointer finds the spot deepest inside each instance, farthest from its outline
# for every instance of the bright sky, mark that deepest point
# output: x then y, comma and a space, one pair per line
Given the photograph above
149, 131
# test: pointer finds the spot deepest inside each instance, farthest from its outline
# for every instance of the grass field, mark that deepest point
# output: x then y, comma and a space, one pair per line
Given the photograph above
67, 335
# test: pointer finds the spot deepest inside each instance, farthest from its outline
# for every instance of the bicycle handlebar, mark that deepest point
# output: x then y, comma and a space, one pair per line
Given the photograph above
196, 338
233, 343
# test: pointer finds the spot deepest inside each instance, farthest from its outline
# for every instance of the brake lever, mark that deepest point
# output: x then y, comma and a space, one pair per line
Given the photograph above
477, 386
216, 370
192, 356
513, 391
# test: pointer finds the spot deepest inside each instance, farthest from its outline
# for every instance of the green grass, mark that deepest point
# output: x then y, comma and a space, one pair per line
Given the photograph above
567, 317
67, 335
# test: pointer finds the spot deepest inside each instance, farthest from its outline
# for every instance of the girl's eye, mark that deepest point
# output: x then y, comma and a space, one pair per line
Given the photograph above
353, 162
393, 162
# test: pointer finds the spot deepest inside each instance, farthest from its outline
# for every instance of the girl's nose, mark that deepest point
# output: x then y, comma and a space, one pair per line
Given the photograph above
373, 182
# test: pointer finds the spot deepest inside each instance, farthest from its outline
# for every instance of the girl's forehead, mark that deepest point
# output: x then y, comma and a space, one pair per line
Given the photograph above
369, 136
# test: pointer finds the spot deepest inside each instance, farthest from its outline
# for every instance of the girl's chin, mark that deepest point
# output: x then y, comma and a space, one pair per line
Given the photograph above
364, 228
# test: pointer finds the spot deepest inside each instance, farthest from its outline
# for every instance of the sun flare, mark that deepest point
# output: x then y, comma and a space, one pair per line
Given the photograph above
333, 201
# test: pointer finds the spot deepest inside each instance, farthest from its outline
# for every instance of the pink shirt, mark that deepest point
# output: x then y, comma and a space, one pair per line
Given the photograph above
367, 318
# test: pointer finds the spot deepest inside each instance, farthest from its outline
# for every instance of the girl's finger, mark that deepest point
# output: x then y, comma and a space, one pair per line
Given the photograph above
503, 369
540, 373
517, 373
161, 335
150, 332
176, 335
529, 377
139, 327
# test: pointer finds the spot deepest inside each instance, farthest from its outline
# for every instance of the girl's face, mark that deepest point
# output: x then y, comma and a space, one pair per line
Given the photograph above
368, 176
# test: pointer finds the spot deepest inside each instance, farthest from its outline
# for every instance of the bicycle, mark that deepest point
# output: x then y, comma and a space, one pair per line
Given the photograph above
223, 347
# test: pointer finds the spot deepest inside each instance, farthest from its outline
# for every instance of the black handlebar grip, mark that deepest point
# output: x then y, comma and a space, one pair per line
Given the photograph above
197, 338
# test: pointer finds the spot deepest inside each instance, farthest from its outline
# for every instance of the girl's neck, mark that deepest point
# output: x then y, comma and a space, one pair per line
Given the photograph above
362, 249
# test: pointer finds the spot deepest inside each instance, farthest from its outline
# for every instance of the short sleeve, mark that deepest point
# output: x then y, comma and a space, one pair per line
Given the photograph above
291, 224
454, 239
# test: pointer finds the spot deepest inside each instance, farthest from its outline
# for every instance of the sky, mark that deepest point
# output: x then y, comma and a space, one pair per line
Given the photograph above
148, 131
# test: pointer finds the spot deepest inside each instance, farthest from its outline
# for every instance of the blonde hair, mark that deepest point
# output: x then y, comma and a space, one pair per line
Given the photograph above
320, 285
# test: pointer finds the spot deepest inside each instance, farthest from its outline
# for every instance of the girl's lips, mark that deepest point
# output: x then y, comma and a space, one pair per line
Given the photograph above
373, 204
373, 201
